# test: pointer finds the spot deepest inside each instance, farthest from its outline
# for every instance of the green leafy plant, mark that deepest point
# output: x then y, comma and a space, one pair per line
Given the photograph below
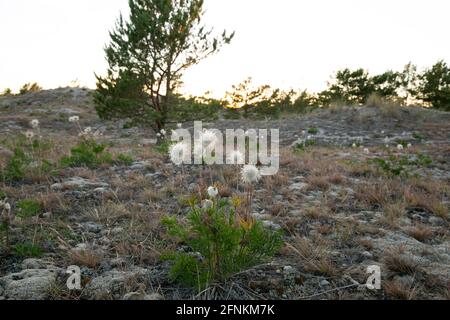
418, 136
27, 250
87, 153
221, 244
16, 166
302, 145
124, 159
398, 165
29, 156
313, 130
28, 208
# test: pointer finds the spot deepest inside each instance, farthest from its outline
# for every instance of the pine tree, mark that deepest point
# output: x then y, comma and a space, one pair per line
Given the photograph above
147, 56
434, 86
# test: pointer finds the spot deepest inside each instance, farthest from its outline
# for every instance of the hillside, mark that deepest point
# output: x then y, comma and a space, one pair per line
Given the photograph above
346, 197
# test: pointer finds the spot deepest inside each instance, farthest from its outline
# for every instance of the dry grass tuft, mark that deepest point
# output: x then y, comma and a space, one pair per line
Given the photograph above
398, 290
420, 232
316, 182
87, 258
400, 264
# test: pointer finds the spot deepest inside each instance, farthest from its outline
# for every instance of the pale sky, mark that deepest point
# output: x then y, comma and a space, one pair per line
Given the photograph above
285, 43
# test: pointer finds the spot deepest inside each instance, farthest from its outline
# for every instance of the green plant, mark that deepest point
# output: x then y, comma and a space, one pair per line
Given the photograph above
313, 130
87, 153
15, 168
302, 145
28, 156
28, 208
222, 244
434, 88
418, 136
27, 250
163, 146
398, 165
124, 159
30, 87
147, 56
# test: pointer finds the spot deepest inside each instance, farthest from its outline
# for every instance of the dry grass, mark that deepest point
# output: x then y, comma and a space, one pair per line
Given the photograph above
387, 108
87, 258
420, 232
366, 243
149, 195
336, 178
429, 202
394, 211
322, 267
109, 213
316, 182
316, 213
398, 290
373, 195
278, 209
400, 264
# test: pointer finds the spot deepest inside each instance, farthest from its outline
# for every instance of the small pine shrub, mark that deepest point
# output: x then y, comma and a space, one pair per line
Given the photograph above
221, 242
87, 153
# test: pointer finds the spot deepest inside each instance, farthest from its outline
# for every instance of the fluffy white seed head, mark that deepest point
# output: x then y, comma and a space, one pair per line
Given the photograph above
34, 123
29, 134
400, 147
74, 119
366, 150
250, 174
212, 192
179, 125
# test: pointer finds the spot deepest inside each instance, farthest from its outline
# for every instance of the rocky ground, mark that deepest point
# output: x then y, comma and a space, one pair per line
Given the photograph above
339, 211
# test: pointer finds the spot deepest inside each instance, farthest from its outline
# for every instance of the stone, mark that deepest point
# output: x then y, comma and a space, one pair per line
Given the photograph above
271, 225
116, 230
78, 183
29, 284
193, 187
47, 215
33, 263
288, 269
324, 283
111, 283
435, 221
142, 296
298, 186
153, 297
367, 254
139, 165
92, 227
